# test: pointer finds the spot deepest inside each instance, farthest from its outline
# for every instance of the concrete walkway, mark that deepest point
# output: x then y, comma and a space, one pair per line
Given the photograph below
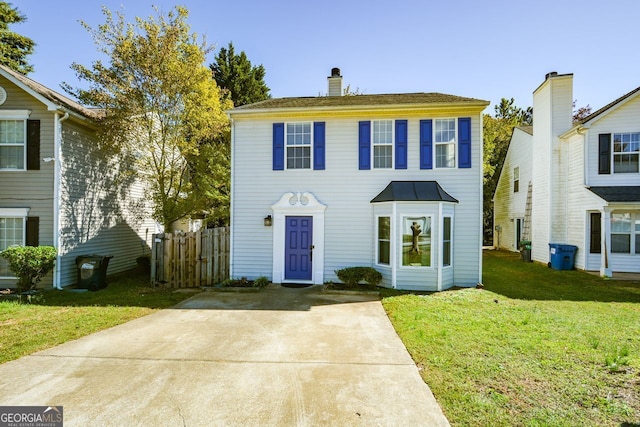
280, 357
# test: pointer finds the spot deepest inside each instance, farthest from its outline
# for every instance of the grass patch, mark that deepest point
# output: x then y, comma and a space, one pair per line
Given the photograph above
59, 316
535, 347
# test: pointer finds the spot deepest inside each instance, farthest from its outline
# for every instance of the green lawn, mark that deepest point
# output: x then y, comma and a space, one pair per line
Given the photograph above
535, 347
60, 316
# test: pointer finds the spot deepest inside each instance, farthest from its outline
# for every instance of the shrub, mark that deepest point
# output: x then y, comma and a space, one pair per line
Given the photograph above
260, 282
352, 276
30, 264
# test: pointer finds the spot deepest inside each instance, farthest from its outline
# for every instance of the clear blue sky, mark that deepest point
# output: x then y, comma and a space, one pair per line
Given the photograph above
483, 49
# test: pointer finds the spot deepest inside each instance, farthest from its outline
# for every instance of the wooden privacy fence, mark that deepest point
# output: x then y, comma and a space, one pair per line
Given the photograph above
185, 260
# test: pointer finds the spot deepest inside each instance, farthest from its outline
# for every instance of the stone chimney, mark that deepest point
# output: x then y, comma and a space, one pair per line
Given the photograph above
335, 82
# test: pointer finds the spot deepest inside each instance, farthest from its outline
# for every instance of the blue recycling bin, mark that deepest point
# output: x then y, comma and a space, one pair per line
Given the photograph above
562, 257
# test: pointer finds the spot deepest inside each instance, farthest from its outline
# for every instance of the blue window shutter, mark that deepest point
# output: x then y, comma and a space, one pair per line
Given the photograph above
364, 145
278, 146
426, 144
464, 142
318, 146
401, 144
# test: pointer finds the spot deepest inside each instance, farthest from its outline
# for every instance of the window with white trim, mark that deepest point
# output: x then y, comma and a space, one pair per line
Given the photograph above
382, 137
13, 144
516, 179
416, 241
445, 143
384, 240
298, 145
12, 232
446, 241
626, 152
625, 233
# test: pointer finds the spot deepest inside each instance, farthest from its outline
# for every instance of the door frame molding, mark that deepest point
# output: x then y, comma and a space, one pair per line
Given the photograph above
298, 204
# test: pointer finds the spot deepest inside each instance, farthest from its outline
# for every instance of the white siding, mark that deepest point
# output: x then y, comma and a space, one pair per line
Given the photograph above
103, 209
552, 109
34, 188
622, 119
508, 205
347, 192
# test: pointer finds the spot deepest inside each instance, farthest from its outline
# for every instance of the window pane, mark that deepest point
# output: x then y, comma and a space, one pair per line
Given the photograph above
445, 130
416, 242
625, 163
11, 233
638, 243
298, 157
382, 131
445, 156
11, 157
382, 156
446, 241
621, 223
620, 243
384, 244
12, 132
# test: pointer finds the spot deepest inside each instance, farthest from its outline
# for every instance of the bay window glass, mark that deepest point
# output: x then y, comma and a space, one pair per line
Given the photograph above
621, 233
416, 241
446, 241
384, 239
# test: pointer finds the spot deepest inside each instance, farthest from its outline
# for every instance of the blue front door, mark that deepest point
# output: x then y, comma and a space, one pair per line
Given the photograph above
298, 247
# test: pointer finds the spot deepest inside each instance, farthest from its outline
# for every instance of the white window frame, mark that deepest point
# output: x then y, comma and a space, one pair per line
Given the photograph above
516, 179
633, 232
287, 145
403, 218
378, 239
450, 240
624, 153
453, 144
17, 115
16, 213
389, 143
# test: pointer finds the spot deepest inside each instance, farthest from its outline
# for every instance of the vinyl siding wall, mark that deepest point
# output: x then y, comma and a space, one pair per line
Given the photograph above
31, 188
346, 191
508, 205
103, 209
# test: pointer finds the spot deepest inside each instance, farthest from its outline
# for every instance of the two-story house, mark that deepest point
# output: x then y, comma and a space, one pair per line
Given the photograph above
59, 187
574, 183
390, 181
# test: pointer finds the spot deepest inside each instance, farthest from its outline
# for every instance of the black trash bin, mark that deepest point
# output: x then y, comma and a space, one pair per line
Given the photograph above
525, 250
92, 271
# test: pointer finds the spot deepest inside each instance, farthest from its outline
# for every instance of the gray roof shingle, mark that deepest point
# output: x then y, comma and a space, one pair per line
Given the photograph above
413, 191
617, 193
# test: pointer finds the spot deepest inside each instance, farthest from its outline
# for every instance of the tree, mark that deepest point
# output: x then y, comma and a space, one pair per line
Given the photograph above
234, 73
497, 132
581, 113
14, 48
161, 106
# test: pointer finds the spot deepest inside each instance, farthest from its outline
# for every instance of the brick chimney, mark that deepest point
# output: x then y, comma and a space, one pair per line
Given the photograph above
335, 82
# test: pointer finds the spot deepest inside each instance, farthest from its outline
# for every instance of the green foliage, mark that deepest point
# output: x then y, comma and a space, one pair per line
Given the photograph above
260, 282
243, 82
617, 358
162, 108
30, 264
352, 276
14, 48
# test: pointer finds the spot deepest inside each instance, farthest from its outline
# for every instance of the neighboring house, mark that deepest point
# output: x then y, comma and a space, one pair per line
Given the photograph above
388, 181
584, 181
59, 187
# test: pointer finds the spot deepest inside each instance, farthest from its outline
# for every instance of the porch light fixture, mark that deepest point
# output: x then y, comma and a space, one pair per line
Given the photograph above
268, 221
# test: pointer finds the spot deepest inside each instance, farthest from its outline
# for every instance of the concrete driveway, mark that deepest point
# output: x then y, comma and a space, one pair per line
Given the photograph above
280, 357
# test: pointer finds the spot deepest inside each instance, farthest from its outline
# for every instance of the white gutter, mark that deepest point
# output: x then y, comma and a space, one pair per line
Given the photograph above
57, 155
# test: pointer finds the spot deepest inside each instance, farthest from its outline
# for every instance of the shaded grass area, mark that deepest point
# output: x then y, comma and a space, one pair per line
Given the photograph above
55, 317
535, 347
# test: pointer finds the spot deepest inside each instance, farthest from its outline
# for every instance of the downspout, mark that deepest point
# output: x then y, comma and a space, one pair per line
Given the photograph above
57, 155
231, 200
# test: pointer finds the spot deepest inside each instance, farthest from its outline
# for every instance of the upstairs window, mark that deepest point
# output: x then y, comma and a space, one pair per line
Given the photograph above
445, 143
382, 136
298, 143
626, 152
13, 143
516, 179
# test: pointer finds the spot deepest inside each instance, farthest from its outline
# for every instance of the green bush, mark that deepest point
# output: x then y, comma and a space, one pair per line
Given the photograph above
260, 282
30, 264
352, 276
